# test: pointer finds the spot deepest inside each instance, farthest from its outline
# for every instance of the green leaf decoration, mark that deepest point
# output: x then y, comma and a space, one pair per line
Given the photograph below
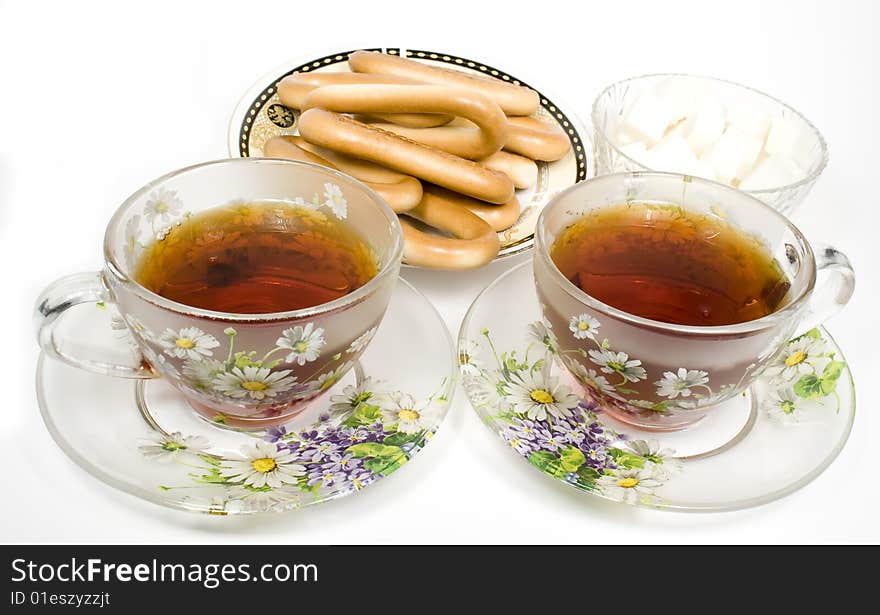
382, 458
626, 460
809, 386
303, 483
833, 370
364, 414
210, 460
213, 477
571, 459
400, 438
587, 477
384, 465
548, 463
373, 449
830, 375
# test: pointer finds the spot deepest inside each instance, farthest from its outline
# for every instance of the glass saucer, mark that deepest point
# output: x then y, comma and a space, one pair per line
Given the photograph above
774, 439
143, 438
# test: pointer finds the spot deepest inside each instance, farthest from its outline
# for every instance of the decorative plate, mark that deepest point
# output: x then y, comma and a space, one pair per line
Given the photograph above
143, 438
775, 438
260, 116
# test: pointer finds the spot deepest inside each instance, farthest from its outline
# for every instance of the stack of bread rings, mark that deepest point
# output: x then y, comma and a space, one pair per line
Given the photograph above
441, 146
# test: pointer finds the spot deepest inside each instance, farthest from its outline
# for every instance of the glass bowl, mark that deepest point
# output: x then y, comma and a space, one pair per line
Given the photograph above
611, 104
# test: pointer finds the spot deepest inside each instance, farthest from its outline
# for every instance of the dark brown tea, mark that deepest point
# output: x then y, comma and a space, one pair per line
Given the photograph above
664, 263
256, 258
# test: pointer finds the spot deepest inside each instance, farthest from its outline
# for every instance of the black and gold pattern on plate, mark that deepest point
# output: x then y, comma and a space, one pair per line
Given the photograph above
281, 116
264, 97
576, 145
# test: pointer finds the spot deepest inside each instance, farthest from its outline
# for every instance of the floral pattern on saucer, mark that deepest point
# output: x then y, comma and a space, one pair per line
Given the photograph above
367, 433
519, 393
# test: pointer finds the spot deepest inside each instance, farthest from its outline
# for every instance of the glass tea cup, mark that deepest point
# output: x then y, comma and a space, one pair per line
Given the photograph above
662, 376
248, 371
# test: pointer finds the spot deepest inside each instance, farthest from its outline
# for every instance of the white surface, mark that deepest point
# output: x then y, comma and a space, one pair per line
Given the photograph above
96, 102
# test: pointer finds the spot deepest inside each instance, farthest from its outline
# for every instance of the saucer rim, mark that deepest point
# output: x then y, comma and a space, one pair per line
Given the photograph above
148, 495
725, 506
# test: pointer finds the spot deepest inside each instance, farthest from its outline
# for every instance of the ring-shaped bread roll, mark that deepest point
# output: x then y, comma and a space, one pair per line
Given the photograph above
513, 99
400, 191
293, 89
489, 137
347, 136
473, 242
499, 217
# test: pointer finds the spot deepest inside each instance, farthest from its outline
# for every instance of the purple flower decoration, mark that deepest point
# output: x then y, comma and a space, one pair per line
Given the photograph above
360, 478
274, 434
548, 440
320, 450
325, 477
524, 429
342, 464
568, 432
595, 454
309, 436
346, 436
589, 405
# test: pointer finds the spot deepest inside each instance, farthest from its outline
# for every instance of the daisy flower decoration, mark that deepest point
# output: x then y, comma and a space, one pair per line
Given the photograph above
253, 382
584, 327
172, 447
188, 343
402, 410
162, 208
334, 200
263, 464
681, 382
304, 343
798, 358
540, 395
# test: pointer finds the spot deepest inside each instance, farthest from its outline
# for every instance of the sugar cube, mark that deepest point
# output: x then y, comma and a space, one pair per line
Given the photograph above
648, 118
774, 171
682, 95
707, 124
673, 153
784, 135
733, 155
749, 120
790, 136
638, 151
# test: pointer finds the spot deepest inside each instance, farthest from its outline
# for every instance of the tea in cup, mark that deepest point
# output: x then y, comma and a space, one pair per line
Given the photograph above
252, 286
667, 295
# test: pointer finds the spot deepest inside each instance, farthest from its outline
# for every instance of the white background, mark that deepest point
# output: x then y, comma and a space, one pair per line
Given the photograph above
96, 100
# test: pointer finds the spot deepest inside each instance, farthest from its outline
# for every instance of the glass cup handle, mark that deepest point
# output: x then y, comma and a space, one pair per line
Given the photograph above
835, 283
54, 301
